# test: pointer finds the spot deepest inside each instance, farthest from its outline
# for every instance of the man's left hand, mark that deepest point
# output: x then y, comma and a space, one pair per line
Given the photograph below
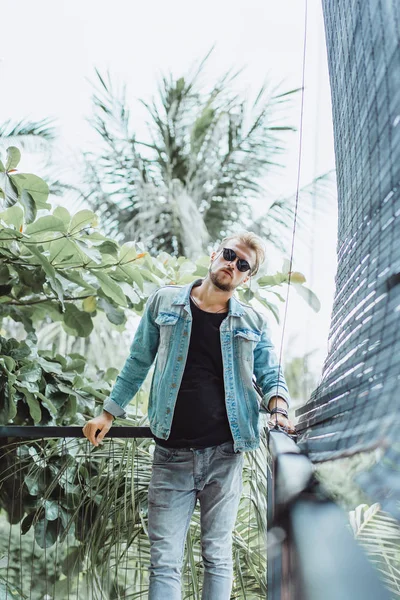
282, 421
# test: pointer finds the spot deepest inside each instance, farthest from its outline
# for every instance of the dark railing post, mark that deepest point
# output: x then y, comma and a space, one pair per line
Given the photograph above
312, 555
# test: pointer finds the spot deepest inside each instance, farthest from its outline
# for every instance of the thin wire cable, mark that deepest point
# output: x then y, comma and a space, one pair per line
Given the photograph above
297, 196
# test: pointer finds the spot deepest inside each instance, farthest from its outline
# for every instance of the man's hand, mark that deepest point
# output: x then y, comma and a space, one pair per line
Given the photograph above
282, 421
102, 423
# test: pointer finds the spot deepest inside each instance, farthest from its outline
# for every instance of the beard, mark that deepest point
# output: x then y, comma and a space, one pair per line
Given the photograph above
217, 281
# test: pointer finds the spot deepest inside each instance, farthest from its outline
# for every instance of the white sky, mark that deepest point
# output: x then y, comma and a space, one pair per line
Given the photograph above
48, 54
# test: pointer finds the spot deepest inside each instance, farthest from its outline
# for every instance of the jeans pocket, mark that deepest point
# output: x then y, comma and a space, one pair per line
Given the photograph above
162, 455
226, 449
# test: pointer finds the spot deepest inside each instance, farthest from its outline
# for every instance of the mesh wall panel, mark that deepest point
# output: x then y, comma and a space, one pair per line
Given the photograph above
356, 406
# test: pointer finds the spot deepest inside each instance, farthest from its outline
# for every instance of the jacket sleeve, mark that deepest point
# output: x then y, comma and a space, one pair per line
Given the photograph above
142, 353
268, 373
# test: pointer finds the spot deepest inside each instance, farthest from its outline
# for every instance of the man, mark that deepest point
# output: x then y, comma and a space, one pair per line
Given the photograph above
203, 410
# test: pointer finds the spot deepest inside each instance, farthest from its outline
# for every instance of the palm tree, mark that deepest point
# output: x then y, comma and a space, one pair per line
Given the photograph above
193, 181
31, 136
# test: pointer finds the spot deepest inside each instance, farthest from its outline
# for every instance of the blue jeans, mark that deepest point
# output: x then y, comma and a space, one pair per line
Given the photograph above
180, 477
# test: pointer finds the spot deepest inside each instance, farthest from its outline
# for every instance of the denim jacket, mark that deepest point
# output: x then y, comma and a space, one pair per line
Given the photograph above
164, 334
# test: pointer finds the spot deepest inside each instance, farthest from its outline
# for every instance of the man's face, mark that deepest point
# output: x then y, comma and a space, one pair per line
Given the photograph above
224, 274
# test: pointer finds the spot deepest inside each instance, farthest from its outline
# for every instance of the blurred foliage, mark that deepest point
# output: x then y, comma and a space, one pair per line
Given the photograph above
207, 157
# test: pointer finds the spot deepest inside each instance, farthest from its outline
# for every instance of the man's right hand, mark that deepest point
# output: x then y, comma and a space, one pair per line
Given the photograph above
103, 423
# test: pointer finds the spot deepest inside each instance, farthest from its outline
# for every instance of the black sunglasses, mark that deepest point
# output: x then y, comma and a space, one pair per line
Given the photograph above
230, 256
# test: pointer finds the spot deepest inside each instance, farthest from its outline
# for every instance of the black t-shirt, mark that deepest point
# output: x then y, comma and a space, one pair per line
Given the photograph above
200, 419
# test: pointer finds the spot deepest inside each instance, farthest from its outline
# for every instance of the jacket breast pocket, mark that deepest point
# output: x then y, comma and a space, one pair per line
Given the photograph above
245, 342
167, 325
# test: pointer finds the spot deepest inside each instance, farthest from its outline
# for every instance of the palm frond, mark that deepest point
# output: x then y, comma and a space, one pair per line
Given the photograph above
29, 135
379, 535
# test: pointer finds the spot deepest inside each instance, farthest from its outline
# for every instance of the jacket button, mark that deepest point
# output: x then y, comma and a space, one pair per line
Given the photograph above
173, 385
168, 411
180, 358
185, 333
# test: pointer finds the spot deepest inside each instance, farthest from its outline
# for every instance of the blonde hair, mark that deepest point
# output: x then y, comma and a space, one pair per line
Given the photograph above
252, 241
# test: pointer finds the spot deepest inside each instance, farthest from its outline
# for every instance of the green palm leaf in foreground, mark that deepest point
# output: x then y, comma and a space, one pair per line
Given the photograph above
379, 535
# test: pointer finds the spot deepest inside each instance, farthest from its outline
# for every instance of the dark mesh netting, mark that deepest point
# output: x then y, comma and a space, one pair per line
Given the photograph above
356, 406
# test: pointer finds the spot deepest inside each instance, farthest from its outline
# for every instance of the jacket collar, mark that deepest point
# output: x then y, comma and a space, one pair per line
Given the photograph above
182, 298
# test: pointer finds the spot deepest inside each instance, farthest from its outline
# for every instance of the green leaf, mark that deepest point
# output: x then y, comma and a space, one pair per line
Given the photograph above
34, 406
109, 247
10, 192
30, 372
47, 223
52, 509
13, 216
114, 315
63, 250
2, 167
30, 209
62, 213
13, 158
77, 322
50, 272
81, 219
127, 253
89, 304
80, 281
46, 533
91, 253
269, 280
37, 188
308, 295
47, 404
111, 288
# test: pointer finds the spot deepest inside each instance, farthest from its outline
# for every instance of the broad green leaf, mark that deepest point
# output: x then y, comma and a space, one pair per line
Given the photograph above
127, 253
9, 190
81, 219
50, 272
111, 288
13, 158
108, 247
77, 322
114, 314
131, 273
2, 167
30, 372
8, 362
269, 280
30, 209
34, 406
74, 276
91, 253
308, 295
62, 213
63, 250
46, 533
89, 304
47, 403
37, 187
296, 277
13, 216
47, 223
52, 509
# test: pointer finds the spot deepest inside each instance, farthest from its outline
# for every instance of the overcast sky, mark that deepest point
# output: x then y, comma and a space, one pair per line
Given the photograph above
48, 52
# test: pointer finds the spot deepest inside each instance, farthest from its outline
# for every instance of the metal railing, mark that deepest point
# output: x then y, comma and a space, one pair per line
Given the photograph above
312, 554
